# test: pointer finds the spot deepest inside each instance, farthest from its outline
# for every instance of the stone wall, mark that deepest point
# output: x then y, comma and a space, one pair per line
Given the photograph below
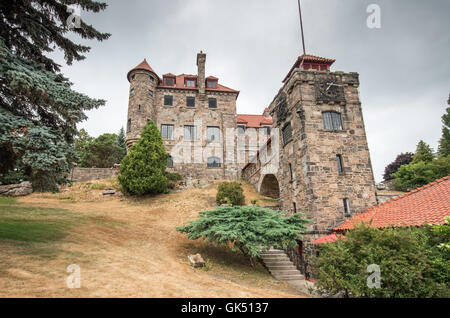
88, 174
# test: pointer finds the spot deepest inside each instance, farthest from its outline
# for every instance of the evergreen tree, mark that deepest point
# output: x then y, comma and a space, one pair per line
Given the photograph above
142, 171
423, 153
81, 141
444, 143
102, 152
121, 141
38, 109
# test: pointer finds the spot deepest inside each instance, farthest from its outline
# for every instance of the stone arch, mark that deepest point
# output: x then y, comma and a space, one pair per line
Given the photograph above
270, 187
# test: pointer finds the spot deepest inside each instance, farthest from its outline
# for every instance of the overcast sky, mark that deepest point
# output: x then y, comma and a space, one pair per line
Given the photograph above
404, 66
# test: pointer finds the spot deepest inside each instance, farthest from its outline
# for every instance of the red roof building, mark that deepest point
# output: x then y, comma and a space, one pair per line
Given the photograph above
254, 121
311, 62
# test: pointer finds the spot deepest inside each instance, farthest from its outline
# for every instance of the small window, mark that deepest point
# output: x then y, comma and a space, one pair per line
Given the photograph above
190, 83
212, 103
190, 101
213, 133
169, 81
347, 207
332, 121
132, 77
241, 129
168, 100
167, 132
291, 173
266, 131
190, 132
170, 162
139, 108
294, 205
132, 92
150, 93
340, 165
214, 162
152, 79
212, 84
129, 125
287, 133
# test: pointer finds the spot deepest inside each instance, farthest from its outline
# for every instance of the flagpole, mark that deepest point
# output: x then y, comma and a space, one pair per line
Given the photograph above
301, 26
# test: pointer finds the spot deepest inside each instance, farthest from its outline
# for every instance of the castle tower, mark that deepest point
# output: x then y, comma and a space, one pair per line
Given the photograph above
325, 168
143, 82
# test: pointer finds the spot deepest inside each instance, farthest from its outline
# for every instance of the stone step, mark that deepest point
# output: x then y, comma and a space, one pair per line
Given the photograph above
274, 252
282, 267
284, 272
278, 263
290, 277
276, 258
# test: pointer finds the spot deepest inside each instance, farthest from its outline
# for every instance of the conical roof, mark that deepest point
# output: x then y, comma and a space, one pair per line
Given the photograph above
142, 66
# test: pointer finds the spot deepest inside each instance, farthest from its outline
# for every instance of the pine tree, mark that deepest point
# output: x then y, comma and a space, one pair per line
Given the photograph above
444, 143
38, 109
142, 171
102, 152
121, 141
424, 153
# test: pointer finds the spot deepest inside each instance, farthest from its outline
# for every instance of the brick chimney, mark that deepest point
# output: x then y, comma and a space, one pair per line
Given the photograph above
201, 61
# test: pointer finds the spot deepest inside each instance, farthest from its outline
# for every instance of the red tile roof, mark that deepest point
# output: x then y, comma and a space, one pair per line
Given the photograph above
333, 237
254, 121
426, 205
309, 59
142, 66
180, 84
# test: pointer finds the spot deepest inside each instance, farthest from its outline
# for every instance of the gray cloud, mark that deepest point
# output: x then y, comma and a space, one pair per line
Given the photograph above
251, 45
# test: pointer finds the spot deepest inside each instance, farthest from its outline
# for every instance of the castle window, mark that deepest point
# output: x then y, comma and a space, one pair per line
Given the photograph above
214, 162
241, 129
294, 205
129, 125
291, 173
167, 132
150, 93
168, 100
169, 81
212, 84
266, 130
152, 79
139, 108
340, 163
287, 134
132, 77
190, 132
212, 103
190, 101
346, 207
170, 162
132, 92
213, 133
190, 83
332, 121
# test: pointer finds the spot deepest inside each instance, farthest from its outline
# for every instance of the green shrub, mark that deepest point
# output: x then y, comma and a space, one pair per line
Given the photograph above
142, 171
247, 228
230, 193
411, 263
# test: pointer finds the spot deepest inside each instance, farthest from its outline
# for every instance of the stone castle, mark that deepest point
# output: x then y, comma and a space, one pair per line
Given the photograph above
308, 149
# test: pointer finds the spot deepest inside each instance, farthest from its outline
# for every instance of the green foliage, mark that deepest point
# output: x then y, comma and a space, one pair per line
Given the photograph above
247, 228
230, 193
424, 153
82, 139
102, 152
173, 178
121, 141
142, 171
444, 143
38, 109
410, 260
402, 159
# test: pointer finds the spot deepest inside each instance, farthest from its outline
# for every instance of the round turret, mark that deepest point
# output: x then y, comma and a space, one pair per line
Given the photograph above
143, 82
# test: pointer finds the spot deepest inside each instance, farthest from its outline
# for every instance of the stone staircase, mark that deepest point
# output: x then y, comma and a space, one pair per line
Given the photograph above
280, 266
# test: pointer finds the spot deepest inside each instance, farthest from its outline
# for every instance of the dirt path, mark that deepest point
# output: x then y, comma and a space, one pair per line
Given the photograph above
129, 248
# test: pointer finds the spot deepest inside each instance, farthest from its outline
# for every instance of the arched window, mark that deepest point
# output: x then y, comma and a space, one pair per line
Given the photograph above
129, 125
332, 121
214, 162
170, 162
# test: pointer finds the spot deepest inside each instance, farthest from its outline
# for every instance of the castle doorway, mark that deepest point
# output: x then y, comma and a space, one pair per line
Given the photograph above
270, 187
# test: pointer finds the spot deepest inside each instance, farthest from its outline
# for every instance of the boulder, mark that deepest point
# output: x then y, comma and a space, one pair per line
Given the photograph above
109, 192
196, 260
16, 190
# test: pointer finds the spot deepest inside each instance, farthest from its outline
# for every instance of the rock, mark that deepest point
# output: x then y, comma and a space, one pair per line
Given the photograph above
16, 190
109, 192
196, 260
381, 186
119, 194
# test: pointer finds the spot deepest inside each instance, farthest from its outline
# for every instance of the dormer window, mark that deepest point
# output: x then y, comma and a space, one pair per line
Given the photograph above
212, 83
241, 129
169, 80
190, 83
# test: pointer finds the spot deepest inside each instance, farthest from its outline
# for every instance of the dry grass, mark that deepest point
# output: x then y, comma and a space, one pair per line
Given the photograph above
126, 248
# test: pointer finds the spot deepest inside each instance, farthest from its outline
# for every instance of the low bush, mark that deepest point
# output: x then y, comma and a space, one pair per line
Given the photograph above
230, 193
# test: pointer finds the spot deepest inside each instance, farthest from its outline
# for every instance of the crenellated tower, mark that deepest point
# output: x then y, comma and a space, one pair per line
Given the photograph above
141, 105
